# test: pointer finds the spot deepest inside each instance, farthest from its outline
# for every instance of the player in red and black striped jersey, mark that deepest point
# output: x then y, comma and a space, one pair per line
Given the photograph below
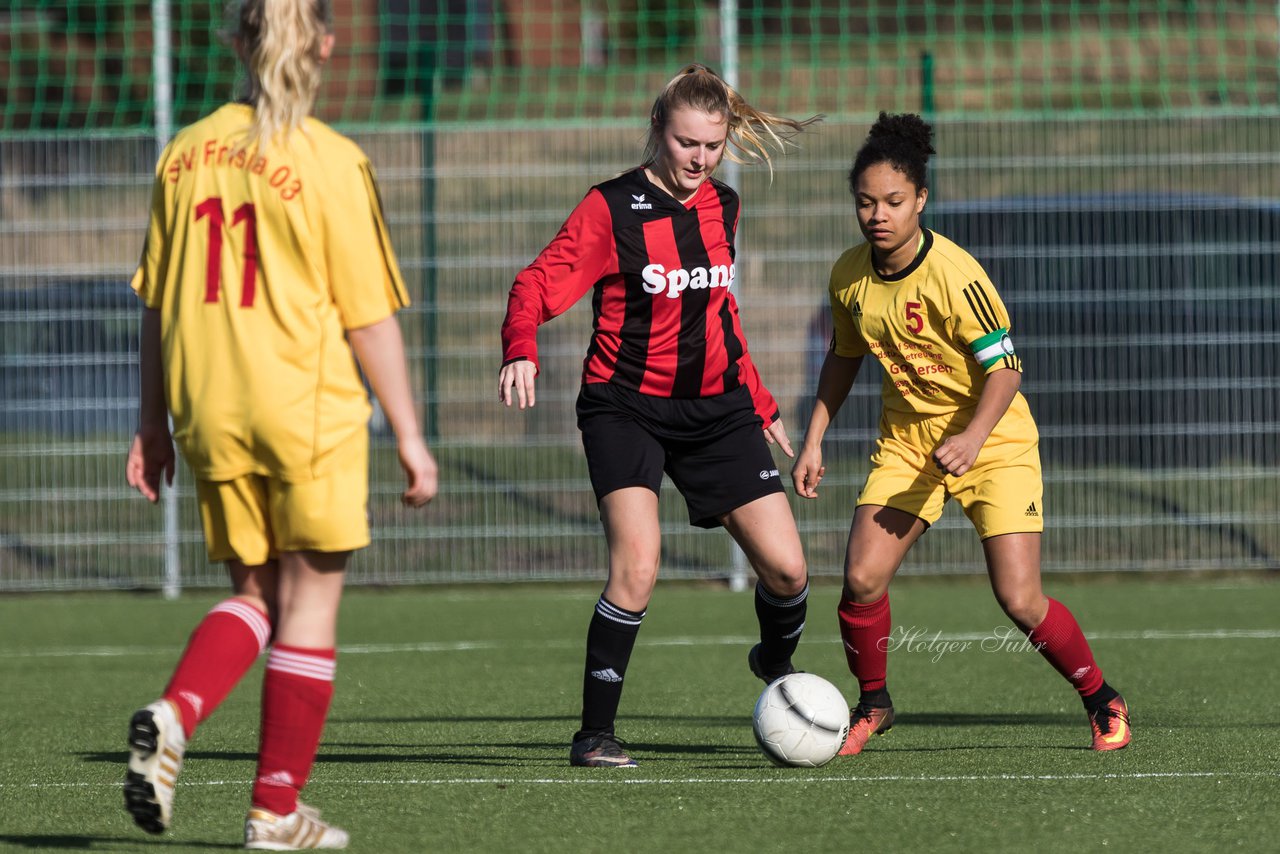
668, 384
665, 320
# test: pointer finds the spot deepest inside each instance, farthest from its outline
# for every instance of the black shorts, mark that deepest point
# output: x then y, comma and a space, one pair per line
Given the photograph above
713, 448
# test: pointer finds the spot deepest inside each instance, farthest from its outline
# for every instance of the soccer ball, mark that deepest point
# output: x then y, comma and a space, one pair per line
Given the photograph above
801, 719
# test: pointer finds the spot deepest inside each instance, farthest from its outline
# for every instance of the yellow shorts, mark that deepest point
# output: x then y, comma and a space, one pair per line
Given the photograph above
1002, 494
255, 517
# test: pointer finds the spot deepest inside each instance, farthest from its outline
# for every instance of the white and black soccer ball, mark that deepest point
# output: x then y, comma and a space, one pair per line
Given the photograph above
801, 719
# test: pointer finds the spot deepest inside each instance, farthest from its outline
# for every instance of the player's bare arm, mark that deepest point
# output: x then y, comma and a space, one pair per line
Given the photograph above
956, 454
379, 348
151, 453
834, 382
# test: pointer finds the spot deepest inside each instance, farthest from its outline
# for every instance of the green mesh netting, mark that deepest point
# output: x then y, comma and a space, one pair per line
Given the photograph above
89, 63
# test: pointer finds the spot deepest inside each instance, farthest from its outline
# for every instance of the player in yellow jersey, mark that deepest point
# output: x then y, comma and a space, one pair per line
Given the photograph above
953, 425
267, 267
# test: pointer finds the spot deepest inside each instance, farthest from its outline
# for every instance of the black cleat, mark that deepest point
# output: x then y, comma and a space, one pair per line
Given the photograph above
753, 661
599, 751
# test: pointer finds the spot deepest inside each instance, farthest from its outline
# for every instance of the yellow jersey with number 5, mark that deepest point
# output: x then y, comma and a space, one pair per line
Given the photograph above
936, 327
258, 261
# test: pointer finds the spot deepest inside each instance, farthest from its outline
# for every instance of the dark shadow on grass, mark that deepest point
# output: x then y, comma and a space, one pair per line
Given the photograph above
718, 750
121, 758
70, 842
881, 748
988, 719
426, 753
678, 720
461, 719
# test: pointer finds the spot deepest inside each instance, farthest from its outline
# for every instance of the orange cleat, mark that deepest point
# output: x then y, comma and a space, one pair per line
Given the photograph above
864, 722
1111, 725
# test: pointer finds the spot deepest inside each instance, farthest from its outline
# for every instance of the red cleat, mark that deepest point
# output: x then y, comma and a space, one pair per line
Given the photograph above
1111, 725
864, 722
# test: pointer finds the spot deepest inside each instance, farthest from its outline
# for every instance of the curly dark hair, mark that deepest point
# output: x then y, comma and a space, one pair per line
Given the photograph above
904, 141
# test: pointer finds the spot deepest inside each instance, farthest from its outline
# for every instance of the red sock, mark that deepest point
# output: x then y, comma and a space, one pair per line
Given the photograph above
1059, 639
221, 650
863, 628
296, 692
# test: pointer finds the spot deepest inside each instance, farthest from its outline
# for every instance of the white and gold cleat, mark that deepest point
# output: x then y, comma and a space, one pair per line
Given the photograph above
300, 830
156, 745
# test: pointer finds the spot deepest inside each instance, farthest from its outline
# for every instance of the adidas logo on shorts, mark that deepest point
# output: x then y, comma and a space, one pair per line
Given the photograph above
1031, 509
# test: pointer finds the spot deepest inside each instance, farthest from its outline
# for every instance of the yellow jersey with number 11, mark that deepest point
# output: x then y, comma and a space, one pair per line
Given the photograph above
258, 261
936, 327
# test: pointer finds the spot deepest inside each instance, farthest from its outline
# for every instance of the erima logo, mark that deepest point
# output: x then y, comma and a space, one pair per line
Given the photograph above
607, 675
1031, 509
640, 204
765, 474
657, 279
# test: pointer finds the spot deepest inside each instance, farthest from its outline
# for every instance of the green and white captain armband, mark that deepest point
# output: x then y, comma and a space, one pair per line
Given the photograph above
992, 347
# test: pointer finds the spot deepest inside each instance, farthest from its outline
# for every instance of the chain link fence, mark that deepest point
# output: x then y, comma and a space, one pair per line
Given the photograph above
1124, 201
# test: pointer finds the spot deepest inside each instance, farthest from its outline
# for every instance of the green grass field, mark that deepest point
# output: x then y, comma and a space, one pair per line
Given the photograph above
450, 726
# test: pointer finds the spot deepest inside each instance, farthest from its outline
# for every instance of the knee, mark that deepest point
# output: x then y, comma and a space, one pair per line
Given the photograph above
866, 584
637, 565
785, 579
632, 579
1025, 608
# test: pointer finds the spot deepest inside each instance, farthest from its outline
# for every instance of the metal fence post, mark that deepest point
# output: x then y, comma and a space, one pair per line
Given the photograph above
729, 61
161, 58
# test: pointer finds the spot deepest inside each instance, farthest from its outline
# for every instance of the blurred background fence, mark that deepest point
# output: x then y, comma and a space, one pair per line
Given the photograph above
1115, 166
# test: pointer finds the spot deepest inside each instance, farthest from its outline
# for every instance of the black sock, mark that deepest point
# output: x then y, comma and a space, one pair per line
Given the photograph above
781, 622
1100, 698
877, 699
610, 638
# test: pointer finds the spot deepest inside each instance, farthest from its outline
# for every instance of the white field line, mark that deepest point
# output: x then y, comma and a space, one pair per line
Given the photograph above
789, 779
468, 646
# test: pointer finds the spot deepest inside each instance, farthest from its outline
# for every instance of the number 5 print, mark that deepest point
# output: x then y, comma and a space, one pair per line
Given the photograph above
915, 321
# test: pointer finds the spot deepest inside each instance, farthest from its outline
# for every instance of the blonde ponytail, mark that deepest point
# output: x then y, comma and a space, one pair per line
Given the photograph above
280, 44
752, 132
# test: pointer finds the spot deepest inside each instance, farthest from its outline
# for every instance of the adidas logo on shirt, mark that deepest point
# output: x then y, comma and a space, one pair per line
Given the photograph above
857, 309
1031, 509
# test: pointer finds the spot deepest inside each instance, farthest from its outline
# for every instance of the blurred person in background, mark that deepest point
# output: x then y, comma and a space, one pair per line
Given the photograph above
267, 266
953, 425
667, 384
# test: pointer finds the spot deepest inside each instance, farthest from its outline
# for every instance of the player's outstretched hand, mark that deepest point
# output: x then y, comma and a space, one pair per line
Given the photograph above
420, 473
515, 383
807, 473
150, 456
776, 434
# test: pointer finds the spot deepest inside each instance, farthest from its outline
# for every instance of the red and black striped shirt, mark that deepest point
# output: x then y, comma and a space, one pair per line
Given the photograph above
665, 322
